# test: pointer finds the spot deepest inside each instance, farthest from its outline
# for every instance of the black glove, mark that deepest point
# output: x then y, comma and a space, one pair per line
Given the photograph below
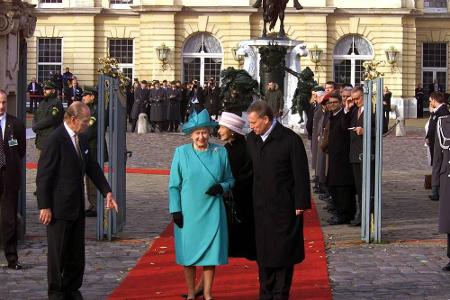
215, 190
178, 219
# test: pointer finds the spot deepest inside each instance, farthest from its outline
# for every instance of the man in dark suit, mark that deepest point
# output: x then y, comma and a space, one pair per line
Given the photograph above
281, 193
60, 193
438, 104
35, 92
12, 151
340, 175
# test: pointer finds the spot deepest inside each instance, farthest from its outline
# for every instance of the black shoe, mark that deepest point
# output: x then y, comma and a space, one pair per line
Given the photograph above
324, 196
335, 220
434, 197
14, 266
91, 213
446, 268
355, 222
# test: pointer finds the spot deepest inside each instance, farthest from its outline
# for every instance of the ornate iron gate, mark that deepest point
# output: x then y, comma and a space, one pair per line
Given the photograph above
113, 117
372, 163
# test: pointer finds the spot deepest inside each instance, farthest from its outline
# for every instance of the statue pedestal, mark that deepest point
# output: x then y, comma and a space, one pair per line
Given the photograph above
295, 49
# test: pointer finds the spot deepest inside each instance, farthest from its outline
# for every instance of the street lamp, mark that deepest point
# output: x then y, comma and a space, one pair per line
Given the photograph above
392, 56
237, 57
163, 55
315, 54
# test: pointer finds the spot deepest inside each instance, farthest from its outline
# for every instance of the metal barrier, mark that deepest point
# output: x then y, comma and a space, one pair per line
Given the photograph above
372, 163
112, 115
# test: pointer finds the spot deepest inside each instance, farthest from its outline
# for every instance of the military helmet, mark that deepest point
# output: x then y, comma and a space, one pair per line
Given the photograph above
89, 90
48, 85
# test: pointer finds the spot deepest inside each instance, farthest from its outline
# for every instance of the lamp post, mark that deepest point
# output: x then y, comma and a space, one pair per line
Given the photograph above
392, 56
163, 55
315, 54
237, 57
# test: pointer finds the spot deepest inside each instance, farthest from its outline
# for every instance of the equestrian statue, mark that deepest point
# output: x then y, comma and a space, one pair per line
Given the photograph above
272, 10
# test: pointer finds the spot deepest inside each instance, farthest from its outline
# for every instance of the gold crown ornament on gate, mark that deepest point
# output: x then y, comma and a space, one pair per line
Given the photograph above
111, 68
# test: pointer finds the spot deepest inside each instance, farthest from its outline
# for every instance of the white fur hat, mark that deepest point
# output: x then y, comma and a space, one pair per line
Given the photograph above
232, 122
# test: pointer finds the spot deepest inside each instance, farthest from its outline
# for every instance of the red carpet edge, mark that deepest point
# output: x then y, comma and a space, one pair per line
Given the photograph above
156, 276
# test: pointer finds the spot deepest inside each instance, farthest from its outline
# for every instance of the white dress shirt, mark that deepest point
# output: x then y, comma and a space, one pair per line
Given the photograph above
266, 134
72, 135
3, 124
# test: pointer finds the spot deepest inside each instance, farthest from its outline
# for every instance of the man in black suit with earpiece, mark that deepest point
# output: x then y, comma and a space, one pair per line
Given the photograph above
62, 165
12, 151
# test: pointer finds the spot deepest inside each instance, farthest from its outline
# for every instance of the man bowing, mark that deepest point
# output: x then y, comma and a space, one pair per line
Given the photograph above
60, 193
281, 193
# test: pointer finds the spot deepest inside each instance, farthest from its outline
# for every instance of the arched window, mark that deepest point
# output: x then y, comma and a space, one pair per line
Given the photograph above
202, 58
348, 57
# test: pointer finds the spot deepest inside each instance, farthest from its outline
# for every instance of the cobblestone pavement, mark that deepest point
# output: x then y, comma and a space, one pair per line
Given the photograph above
406, 266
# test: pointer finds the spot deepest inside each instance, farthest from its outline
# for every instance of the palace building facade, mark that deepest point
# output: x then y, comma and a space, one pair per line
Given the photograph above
200, 36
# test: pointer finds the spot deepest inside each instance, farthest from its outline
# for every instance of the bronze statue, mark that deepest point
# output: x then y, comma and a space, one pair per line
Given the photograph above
274, 9
302, 95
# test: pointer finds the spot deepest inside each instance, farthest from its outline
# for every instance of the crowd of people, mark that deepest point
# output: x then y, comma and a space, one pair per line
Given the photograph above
253, 190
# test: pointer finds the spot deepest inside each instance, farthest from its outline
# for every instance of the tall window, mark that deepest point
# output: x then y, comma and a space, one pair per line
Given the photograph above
49, 57
202, 58
435, 6
348, 58
50, 3
122, 50
434, 67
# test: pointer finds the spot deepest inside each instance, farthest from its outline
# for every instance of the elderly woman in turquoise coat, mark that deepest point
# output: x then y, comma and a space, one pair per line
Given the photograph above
199, 176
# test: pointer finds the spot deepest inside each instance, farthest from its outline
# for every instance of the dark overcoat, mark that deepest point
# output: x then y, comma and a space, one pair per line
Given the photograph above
174, 102
241, 236
280, 186
212, 100
141, 97
158, 111
317, 117
339, 167
431, 133
441, 174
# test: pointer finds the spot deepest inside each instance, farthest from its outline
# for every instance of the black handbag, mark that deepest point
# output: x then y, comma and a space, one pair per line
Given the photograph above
231, 209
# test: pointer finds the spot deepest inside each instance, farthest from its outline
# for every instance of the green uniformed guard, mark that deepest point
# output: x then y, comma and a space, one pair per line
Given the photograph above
48, 116
89, 97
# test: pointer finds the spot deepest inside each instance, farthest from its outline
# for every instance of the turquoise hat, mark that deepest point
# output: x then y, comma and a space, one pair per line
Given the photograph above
198, 120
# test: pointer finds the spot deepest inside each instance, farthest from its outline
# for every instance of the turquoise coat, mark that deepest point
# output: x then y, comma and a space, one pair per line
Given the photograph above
203, 240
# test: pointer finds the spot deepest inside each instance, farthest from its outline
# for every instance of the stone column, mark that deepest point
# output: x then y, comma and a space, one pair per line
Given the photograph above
17, 22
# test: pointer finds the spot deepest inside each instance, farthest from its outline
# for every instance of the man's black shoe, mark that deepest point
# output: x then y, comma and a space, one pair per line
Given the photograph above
434, 197
446, 268
355, 222
335, 220
91, 213
14, 266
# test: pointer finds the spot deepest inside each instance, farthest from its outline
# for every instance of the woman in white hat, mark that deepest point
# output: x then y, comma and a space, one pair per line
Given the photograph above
239, 204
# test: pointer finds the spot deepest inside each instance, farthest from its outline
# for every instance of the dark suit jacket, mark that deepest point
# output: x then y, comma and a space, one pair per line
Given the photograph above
38, 88
431, 133
15, 130
339, 167
59, 180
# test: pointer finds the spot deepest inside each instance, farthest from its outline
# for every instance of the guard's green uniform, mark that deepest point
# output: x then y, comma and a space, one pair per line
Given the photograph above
47, 117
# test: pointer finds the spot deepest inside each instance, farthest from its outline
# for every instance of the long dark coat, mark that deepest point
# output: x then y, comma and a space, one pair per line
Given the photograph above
241, 236
339, 167
141, 97
317, 117
431, 133
212, 101
174, 102
280, 186
158, 111
441, 176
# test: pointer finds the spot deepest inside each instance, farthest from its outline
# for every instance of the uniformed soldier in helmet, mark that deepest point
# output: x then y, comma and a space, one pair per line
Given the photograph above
48, 116
89, 97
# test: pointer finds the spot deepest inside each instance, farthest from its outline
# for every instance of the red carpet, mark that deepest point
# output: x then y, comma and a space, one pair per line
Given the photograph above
156, 276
